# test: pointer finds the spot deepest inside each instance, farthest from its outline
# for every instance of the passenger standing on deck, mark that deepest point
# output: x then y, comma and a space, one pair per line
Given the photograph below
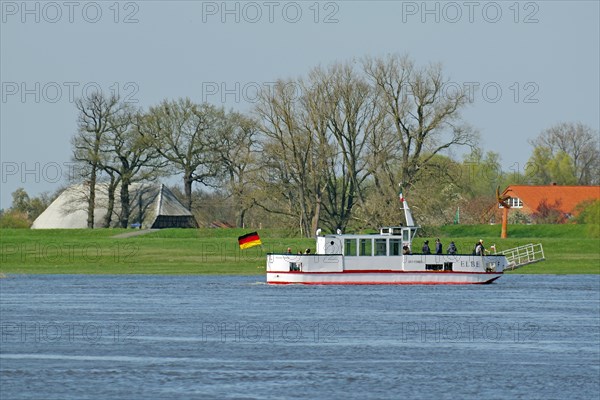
438, 246
425, 249
452, 248
479, 249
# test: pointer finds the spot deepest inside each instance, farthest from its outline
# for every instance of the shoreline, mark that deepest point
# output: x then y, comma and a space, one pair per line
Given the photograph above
568, 250
9, 275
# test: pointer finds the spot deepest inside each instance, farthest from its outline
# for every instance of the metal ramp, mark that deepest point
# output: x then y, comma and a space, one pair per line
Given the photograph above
523, 255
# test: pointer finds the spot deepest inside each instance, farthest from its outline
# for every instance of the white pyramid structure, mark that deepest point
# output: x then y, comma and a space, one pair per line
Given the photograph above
151, 205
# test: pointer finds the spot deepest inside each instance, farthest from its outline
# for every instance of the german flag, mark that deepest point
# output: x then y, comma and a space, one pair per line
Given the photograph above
249, 240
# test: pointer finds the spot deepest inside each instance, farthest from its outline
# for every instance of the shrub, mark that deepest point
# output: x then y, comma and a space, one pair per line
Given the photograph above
14, 219
547, 213
518, 217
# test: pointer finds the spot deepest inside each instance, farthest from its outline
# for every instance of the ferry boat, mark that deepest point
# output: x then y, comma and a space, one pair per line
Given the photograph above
374, 259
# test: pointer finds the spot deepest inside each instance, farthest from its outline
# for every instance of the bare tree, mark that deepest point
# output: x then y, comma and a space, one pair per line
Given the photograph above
423, 115
315, 109
351, 130
93, 123
317, 133
350, 110
128, 158
235, 147
181, 132
578, 141
285, 151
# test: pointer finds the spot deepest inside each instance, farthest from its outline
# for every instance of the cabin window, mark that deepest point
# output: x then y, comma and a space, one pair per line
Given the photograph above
406, 235
365, 247
395, 247
434, 267
350, 247
380, 247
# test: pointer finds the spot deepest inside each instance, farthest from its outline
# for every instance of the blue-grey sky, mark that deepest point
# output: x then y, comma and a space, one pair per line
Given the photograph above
529, 64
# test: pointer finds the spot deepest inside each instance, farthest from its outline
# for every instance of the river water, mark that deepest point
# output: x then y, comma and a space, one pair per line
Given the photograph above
234, 337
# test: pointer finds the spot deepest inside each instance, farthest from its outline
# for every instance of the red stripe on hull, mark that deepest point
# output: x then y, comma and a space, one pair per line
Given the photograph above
383, 283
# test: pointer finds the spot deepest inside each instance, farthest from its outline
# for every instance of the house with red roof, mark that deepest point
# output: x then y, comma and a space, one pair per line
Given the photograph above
527, 198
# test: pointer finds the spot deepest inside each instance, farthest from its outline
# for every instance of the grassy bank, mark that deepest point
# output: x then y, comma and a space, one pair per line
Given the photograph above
215, 251
169, 251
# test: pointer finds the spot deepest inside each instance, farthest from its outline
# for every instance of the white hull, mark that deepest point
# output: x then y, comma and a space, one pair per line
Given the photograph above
326, 269
381, 278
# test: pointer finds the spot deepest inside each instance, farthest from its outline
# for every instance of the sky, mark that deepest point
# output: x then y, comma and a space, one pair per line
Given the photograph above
528, 65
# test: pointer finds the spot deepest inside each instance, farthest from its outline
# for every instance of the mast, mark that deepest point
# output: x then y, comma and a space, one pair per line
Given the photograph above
407, 214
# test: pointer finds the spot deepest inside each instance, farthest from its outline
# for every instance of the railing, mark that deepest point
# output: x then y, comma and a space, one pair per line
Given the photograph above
523, 255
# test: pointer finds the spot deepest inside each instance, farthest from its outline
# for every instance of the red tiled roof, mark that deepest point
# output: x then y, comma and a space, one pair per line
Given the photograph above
569, 196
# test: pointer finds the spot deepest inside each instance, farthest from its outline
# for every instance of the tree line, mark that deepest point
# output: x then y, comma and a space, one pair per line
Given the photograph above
330, 149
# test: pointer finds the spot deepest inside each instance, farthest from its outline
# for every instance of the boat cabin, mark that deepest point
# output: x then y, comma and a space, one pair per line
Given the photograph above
389, 242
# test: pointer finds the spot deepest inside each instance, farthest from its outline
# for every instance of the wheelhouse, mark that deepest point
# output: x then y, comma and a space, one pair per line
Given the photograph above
389, 242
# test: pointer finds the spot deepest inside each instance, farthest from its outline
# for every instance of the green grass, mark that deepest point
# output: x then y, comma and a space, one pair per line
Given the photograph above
215, 251
169, 251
